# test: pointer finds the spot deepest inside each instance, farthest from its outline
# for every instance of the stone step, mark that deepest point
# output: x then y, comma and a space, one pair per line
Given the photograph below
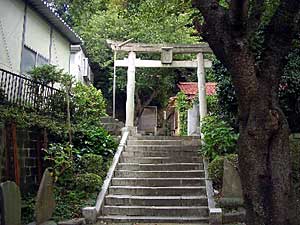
163, 166
154, 220
156, 200
161, 174
137, 153
158, 182
163, 138
155, 142
167, 148
157, 191
130, 210
157, 160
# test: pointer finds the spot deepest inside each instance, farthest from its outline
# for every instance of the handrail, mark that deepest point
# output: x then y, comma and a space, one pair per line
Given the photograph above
26, 78
91, 213
22, 91
215, 214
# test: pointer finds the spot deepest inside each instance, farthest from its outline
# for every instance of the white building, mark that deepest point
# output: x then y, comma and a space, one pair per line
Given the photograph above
32, 34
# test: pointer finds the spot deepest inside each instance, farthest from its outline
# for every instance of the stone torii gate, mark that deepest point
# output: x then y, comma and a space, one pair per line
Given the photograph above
166, 51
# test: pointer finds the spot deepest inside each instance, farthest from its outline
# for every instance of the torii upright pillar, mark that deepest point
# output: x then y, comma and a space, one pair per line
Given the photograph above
130, 91
201, 88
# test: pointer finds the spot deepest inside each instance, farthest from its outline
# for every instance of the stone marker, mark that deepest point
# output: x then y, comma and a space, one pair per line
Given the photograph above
45, 203
232, 188
10, 203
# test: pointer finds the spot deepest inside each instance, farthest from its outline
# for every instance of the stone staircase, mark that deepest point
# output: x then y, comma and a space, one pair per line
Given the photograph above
157, 180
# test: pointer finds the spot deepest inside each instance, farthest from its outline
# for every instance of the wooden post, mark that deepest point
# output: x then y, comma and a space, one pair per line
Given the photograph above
15, 153
130, 90
201, 88
7, 152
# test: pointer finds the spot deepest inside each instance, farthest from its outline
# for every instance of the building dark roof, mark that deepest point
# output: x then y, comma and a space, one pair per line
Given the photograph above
49, 13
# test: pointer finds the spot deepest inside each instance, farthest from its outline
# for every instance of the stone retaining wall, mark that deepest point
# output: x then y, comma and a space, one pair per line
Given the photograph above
28, 145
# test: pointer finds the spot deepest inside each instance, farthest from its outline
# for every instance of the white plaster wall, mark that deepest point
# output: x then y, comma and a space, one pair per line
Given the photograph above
37, 35
60, 51
11, 18
76, 63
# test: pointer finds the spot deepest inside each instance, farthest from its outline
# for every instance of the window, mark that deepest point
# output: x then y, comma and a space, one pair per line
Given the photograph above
30, 59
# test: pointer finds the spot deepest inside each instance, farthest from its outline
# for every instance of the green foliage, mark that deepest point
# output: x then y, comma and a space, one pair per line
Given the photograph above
60, 158
89, 103
29, 118
226, 94
91, 163
182, 104
28, 205
88, 182
46, 74
289, 90
70, 202
149, 21
95, 140
216, 168
212, 104
219, 137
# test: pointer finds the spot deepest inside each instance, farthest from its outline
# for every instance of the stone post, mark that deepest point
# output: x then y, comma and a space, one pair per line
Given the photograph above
193, 121
130, 91
201, 87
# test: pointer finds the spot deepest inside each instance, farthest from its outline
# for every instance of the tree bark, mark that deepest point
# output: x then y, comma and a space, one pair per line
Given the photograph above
263, 146
264, 158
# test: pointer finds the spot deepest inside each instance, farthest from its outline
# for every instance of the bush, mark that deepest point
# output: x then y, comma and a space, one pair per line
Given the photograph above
60, 158
219, 137
89, 182
182, 104
89, 103
46, 74
91, 163
94, 140
212, 104
216, 169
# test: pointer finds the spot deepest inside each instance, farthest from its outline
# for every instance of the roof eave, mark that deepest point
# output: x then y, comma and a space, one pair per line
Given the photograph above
43, 8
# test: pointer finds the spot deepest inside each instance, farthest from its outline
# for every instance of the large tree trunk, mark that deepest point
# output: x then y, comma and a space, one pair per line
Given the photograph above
256, 67
264, 160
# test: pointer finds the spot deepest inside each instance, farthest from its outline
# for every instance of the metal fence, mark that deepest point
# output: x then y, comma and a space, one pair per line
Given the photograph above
22, 91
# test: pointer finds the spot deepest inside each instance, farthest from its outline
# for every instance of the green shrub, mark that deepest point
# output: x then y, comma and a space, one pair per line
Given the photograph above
91, 163
46, 74
216, 169
89, 182
219, 137
212, 104
89, 103
60, 158
182, 104
94, 140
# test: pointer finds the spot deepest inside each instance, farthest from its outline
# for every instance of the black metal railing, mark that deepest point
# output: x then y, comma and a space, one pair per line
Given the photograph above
22, 91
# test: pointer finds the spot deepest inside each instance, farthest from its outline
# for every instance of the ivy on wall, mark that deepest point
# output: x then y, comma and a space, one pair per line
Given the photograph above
182, 104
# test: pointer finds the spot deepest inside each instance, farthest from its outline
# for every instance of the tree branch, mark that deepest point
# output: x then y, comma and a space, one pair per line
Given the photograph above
280, 33
214, 29
255, 15
238, 14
